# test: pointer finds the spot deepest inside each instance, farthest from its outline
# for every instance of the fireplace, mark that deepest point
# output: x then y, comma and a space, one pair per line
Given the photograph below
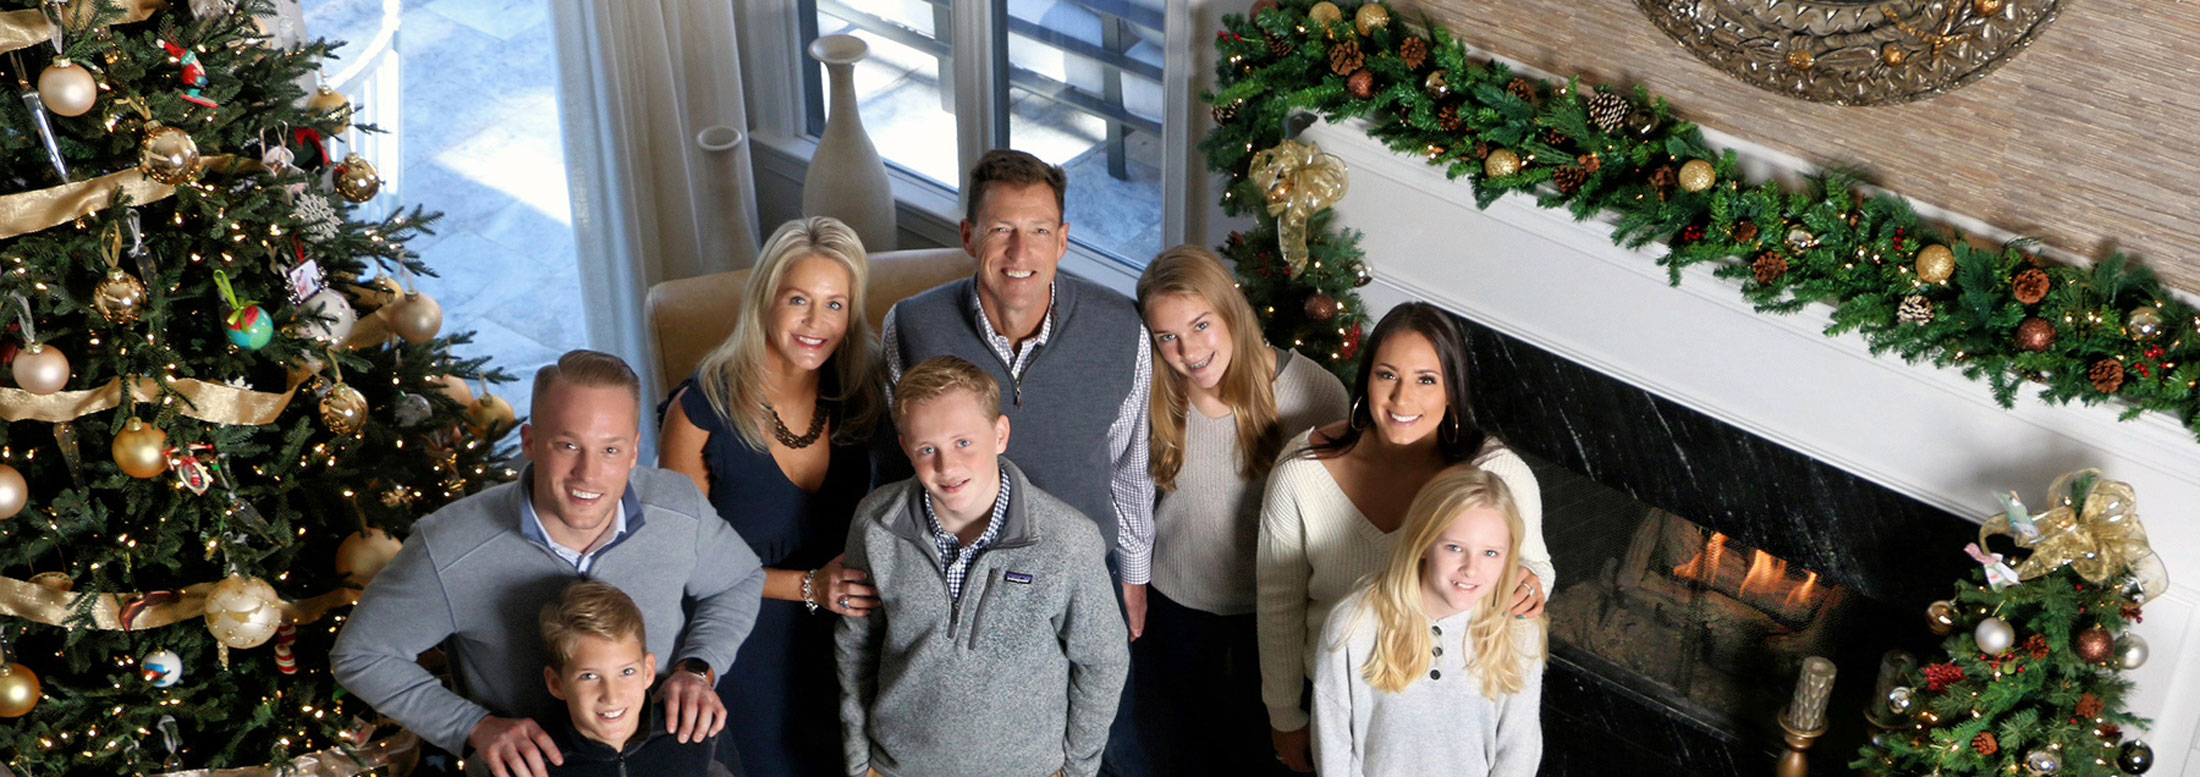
1698, 565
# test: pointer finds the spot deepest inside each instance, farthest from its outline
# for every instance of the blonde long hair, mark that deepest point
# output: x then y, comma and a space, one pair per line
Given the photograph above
727, 377
1247, 387
1402, 635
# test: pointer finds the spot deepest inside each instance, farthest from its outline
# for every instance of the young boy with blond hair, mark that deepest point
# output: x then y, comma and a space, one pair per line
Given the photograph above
598, 667
996, 649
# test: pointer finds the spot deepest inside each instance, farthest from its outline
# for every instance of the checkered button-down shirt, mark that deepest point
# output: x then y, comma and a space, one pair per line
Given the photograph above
955, 557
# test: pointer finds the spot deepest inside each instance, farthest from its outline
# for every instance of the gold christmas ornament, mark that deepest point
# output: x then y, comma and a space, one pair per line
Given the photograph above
1500, 163
363, 555
1936, 263
41, 369
2098, 535
456, 390
1698, 175
67, 88
332, 104
1437, 85
1940, 616
58, 581
243, 612
356, 179
1370, 17
378, 292
344, 410
15, 492
18, 691
141, 450
1987, 7
2144, 323
416, 318
491, 417
168, 155
1893, 55
1298, 181
120, 298
1324, 13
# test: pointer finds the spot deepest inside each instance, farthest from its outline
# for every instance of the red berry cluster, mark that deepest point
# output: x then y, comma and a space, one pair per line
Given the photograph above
1939, 676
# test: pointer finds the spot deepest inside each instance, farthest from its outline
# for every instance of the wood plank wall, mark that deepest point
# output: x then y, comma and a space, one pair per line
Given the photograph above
2090, 139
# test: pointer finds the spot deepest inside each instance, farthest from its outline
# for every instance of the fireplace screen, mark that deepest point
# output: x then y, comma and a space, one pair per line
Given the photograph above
1679, 613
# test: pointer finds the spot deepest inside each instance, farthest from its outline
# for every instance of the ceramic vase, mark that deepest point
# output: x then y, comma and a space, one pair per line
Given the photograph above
847, 179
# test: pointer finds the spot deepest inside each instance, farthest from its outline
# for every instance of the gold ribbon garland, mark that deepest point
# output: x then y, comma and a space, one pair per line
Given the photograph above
210, 402
53, 606
401, 750
2098, 535
23, 29
1298, 181
25, 212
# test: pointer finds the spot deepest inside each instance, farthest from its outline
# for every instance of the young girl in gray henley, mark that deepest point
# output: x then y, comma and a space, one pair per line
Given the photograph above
1423, 671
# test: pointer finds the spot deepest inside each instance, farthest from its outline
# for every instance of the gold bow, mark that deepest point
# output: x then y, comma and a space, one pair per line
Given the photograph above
2095, 531
1299, 181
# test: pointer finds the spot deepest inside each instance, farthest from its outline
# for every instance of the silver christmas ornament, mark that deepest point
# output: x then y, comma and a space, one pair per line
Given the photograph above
1994, 635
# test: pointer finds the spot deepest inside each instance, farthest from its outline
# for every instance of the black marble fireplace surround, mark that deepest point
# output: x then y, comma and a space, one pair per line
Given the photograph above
1610, 456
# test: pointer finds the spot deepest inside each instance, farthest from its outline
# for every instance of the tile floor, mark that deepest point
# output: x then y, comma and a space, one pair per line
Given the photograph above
482, 144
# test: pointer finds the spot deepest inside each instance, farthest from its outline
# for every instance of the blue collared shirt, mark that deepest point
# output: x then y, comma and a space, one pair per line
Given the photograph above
530, 526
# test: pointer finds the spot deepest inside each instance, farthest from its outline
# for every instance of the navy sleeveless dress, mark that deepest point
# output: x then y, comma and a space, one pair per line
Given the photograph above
782, 697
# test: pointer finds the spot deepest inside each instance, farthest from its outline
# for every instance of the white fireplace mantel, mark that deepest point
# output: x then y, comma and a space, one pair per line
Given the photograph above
1930, 433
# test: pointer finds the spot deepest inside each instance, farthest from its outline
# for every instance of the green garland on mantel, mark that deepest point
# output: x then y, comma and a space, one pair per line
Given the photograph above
2002, 314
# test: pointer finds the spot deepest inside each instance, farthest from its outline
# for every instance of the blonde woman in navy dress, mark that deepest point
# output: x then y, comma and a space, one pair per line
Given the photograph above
778, 426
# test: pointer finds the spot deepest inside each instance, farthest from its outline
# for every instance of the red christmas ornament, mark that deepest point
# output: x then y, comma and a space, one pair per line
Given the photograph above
1939, 676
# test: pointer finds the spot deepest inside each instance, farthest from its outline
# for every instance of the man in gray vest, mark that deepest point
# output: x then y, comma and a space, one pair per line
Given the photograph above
1074, 363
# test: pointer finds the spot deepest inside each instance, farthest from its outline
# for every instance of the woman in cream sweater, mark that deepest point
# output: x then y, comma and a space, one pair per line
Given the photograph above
1338, 495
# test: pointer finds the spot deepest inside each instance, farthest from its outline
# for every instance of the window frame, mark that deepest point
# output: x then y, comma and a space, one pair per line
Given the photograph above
776, 67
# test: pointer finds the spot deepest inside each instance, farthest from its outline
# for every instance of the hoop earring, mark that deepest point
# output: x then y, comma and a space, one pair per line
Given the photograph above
1448, 434
1353, 420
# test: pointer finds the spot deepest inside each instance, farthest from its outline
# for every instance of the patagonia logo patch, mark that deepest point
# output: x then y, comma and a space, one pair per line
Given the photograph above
1017, 577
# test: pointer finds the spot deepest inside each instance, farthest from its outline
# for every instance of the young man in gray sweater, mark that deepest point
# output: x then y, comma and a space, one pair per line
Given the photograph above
996, 649
473, 576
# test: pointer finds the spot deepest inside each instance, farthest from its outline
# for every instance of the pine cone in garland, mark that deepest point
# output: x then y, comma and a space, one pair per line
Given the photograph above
1280, 45
1569, 180
1985, 743
1448, 118
2036, 645
2110, 733
2031, 286
1522, 88
1346, 57
2089, 706
1361, 85
1608, 111
1663, 180
1915, 310
1413, 52
1768, 268
1590, 162
2107, 376
1744, 232
1227, 112
1554, 138
1481, 150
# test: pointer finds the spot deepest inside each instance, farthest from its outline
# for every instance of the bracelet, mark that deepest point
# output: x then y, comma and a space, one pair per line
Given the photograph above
809, 581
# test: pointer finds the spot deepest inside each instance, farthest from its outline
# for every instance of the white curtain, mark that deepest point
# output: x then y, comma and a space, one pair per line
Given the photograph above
655, 139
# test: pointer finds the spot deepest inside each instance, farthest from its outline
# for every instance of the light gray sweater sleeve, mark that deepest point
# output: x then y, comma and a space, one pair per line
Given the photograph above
1097, 644
404, 613
1527, 495
856, 654
1334, 672
1519, 725
727, 587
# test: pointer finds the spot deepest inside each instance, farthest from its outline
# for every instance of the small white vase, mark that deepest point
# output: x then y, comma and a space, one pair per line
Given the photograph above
847, 179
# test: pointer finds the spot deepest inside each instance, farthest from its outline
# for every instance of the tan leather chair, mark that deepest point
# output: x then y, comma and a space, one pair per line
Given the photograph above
690, 316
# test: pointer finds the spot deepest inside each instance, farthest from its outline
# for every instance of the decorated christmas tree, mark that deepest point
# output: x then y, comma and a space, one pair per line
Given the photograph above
2032, 683
223, 406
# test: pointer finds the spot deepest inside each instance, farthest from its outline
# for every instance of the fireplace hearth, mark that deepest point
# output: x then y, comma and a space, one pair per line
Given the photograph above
1698, 565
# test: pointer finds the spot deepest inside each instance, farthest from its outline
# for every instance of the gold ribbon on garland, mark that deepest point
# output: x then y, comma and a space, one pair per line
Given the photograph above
401, 751
1298, 181
25, 212
23, 29
2096, 533
54, 607
210, 402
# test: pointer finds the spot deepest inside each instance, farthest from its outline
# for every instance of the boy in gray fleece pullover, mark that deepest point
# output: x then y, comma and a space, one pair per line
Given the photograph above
996, 649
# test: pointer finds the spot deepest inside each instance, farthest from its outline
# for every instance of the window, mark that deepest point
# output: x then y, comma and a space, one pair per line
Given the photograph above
1080, 83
